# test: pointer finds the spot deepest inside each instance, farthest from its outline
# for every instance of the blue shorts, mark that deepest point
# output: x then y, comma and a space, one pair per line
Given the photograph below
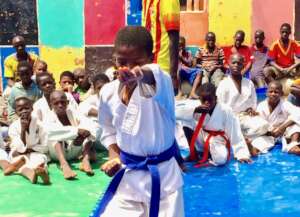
189, 74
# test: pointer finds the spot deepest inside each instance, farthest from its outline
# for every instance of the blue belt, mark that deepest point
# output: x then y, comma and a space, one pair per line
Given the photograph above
134, 162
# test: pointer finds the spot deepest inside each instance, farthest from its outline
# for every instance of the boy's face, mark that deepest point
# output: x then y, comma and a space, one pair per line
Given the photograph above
259, 38
210, 41
59, 103
82, 79
285, 33
40, 68
131, 57
236, 64
238, 40
19, 46
24, 109
25, 74
208, 100
47, 85
97, 86
274, 94
65, 82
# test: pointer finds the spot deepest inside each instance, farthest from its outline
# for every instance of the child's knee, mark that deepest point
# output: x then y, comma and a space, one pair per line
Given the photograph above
218, 154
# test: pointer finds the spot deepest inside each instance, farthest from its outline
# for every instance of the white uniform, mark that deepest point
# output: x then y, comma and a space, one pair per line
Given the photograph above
35, 140
84, 107
144, 127
41, 107
284, 111
57, 132
222, 119
3, 154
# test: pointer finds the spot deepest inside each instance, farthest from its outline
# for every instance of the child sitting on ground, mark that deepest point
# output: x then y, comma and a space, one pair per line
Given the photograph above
70, 134
284, 120
26, 87
217, 130
46, 83
83, 84
28, 141
67, 81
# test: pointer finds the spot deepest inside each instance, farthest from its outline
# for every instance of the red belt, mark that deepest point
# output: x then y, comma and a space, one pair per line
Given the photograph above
211, 133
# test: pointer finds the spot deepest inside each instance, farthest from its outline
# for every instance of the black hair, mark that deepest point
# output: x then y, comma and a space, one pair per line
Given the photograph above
100, 77
23, 98
259, 31
277, 84
67, 74
206, 88
210, 33
286, 25
43, 74
181, 38
240, 32
24, 63
135, 36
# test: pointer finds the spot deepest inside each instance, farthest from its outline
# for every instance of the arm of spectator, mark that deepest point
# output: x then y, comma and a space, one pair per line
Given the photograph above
174, 51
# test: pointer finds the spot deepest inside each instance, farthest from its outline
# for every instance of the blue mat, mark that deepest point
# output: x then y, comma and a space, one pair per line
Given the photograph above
270, 187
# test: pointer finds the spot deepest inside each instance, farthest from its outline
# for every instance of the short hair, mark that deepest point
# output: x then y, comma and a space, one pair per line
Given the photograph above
67, 74
23, 98
210, 33
135, 36
24, 63
259, 31
43, 74
181, 38
240, 32
101, 77
237, 54
286, 25
39, 61
277, 84
206, 88
58, 92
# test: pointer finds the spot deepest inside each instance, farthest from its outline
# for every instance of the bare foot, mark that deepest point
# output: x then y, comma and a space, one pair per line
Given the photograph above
68, 172
14, 166
30, 174
253, 151
295, 150
4, 164
40, 171
85, 166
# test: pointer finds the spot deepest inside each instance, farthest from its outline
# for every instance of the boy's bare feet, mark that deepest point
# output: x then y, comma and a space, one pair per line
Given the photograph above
253, 151
68, 172
85, 166
30, 174
4, 164
14, 166
41, 171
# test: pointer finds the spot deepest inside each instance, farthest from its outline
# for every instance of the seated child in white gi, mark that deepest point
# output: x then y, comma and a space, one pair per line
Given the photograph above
89, 107
46, 83
284, 120
138, 123
217, 130
70, 134
28, 141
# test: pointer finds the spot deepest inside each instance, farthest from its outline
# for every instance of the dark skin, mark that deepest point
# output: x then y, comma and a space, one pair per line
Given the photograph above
25, 73
259, 38
295, 90
208, 104
174, 51
129, 61
47, 86
82, 79
97, 87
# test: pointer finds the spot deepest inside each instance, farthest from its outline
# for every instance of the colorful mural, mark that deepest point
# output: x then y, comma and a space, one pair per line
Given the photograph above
80, 33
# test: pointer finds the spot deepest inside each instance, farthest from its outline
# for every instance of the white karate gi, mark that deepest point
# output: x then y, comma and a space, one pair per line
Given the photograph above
35, 140
146, 126
284, 111
57, 132
222, 119
3, 154
41, 107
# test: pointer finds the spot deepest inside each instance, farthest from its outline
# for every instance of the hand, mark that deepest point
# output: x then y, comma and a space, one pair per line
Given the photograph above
201, 109
251, 112
111, 166
25, 122
70, 88
83, 133
277, 132
126, 75
245, 160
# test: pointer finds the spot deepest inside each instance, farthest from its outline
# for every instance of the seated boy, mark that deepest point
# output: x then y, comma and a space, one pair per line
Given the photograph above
185, 69
217, 130
28, 141
238, 47
66, 82
89, 107
211, 60
294, 96
26, 87
138, 122
69, 135
284, 56
83, 84
259, 53
39, 67
46, 83
284, 120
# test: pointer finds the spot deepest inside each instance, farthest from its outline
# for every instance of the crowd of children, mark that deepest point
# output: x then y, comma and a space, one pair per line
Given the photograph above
134, 116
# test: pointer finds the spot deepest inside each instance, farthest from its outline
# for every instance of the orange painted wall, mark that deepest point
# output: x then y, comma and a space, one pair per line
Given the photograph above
270, 14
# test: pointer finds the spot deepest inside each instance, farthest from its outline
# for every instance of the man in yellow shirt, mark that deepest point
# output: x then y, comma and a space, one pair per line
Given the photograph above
162, 20
11, 62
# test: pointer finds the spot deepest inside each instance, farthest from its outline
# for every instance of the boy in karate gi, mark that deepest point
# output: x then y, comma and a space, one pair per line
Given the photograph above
28, 141
216, 130
70, 134
284, 119
138, 122
46, 83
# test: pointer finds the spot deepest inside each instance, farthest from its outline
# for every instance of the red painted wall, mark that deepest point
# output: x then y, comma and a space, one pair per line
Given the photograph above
102, 21
269, 15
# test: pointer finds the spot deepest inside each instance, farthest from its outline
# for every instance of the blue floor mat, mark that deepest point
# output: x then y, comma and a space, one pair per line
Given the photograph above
269, 187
